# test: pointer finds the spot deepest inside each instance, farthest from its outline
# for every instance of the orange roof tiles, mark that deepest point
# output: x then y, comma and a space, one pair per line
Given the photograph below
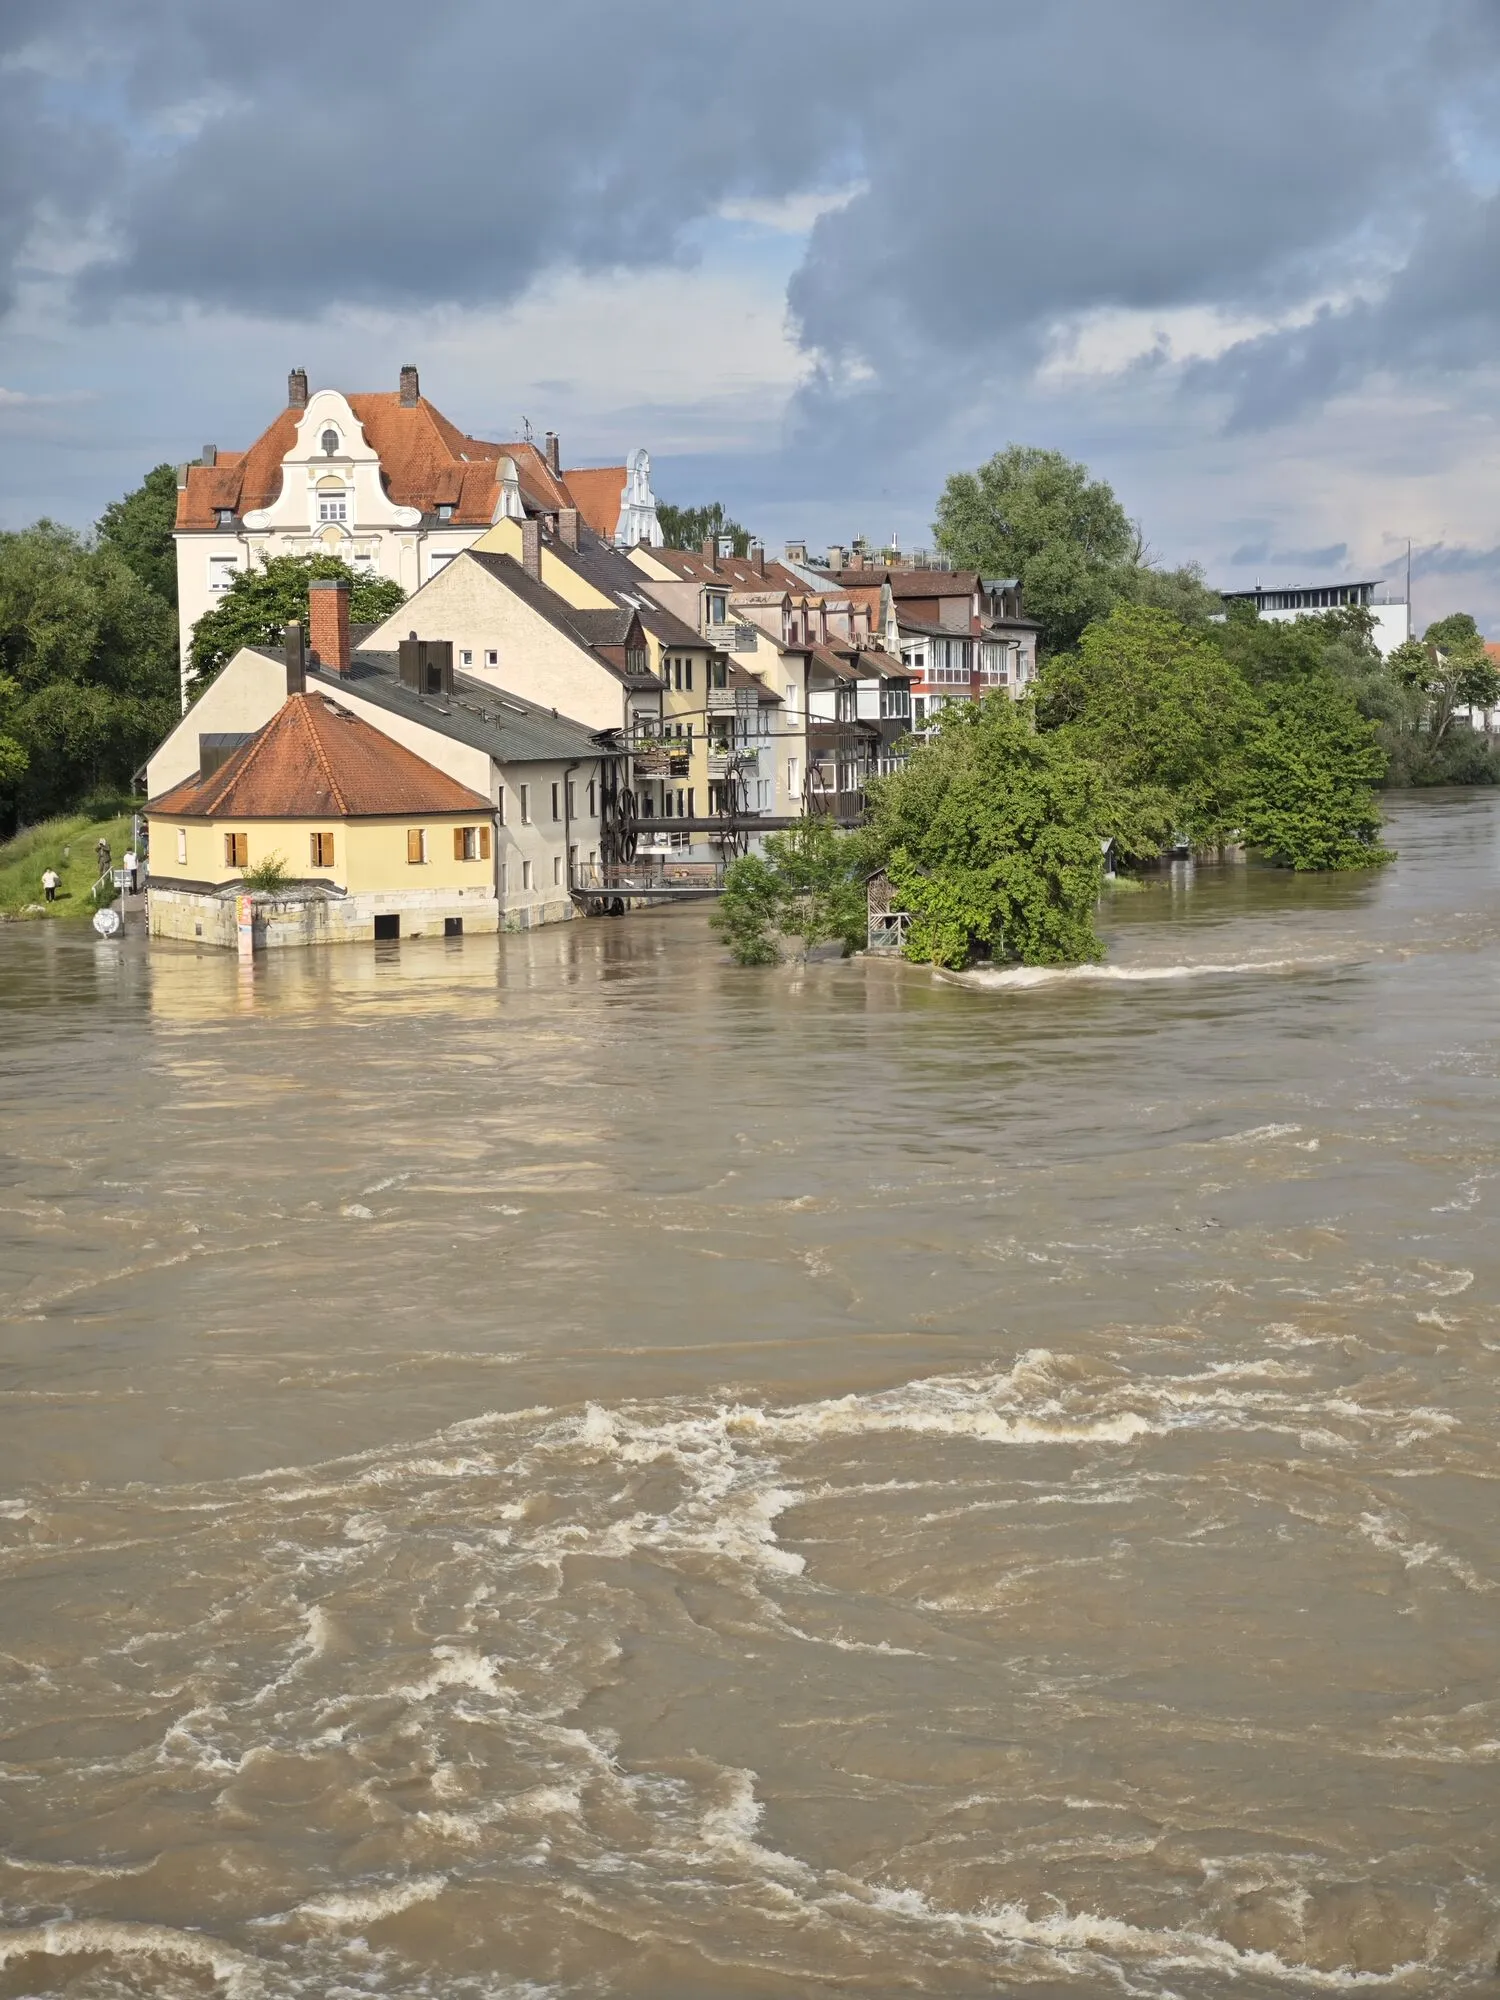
425, 461
597, 492
314, 760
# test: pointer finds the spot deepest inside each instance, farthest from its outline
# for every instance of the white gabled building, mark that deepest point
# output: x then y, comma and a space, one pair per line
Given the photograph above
384, 482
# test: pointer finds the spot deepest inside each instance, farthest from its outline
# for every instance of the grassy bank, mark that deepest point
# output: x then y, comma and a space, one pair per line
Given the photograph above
66, 845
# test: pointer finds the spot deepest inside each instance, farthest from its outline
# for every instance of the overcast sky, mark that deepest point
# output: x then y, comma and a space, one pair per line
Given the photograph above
1243, 260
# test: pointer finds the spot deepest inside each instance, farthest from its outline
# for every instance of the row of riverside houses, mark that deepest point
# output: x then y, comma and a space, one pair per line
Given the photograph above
594, 697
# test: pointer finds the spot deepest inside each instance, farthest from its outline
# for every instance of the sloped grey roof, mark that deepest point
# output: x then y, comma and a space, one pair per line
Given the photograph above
605, 628
512, 730
559, 613
617, 576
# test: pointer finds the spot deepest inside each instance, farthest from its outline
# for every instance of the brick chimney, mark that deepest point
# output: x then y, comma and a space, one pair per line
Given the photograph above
293, 641
411, 393
567, 527
531, 547
328, 622
296, 389
758, 556
710, 552
554, 455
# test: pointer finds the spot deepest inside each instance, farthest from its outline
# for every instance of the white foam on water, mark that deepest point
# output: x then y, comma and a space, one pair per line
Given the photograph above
727, 1831
238, 1975
1019, 977
373, 1905
1391, 1535
1070, 1935
457, 1667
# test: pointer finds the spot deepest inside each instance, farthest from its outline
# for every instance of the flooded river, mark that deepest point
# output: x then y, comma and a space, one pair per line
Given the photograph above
554, 1466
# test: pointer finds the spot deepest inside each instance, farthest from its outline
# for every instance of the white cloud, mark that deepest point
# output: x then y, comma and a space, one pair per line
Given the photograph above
19, 399
793, 215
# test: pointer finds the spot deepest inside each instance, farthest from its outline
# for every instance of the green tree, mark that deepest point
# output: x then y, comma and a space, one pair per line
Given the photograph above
745, 916
992, 835
810, 885
1180, 591
1162, 711
13, 758
1039, 516
139, 528
690, 527
88, 654
1450, 669
260, 601
1310, 772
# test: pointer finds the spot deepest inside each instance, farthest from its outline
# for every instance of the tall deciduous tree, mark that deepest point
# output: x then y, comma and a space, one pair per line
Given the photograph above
88, 654
992, 835
1040, 516
1162, 710
690, 527
261, 600
1312, 764
139, 528
1450, 669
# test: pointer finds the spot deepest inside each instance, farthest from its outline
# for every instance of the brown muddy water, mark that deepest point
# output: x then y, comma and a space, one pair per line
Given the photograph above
554, 1466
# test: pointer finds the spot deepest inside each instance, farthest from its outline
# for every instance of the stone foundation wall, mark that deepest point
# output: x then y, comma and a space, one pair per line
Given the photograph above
312, 920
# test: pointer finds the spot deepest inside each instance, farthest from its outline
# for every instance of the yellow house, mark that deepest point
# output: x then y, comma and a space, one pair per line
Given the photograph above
367, 839
717, 718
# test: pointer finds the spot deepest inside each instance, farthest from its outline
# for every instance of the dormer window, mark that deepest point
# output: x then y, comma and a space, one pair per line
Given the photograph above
445, 510
224, 517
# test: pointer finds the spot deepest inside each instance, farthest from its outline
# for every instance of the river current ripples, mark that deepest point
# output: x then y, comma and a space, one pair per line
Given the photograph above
557, 1467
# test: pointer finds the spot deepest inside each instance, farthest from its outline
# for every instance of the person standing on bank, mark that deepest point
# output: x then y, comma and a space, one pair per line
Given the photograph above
102, 854
128, 863
51, 882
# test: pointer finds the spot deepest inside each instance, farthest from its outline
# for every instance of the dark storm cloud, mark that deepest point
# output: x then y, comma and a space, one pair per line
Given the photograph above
1020, 165
1447, 559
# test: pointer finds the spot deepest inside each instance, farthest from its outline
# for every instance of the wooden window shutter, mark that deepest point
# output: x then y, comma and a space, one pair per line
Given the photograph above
484, 843
413, 843
458, 843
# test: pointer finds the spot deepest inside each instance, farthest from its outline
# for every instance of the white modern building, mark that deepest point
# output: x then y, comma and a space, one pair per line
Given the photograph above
1392, 615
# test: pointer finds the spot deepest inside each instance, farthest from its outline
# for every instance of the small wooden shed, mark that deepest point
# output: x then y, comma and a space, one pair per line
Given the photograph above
887, 925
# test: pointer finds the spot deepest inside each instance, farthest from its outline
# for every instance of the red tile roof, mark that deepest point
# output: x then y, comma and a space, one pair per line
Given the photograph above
597, 492
314, 760
426, 462
913, 582
732, 572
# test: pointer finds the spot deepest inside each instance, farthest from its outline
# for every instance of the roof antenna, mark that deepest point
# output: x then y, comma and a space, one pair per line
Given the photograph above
528, 435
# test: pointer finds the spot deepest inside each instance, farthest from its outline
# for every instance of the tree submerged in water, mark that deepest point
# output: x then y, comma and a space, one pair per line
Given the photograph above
993, 835
809, 886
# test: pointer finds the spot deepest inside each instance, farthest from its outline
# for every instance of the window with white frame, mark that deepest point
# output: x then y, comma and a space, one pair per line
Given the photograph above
438, 560
221, 572
333, 506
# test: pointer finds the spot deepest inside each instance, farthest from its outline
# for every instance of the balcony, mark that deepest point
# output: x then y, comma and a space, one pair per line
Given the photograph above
732, 638
723, 758
661, 760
